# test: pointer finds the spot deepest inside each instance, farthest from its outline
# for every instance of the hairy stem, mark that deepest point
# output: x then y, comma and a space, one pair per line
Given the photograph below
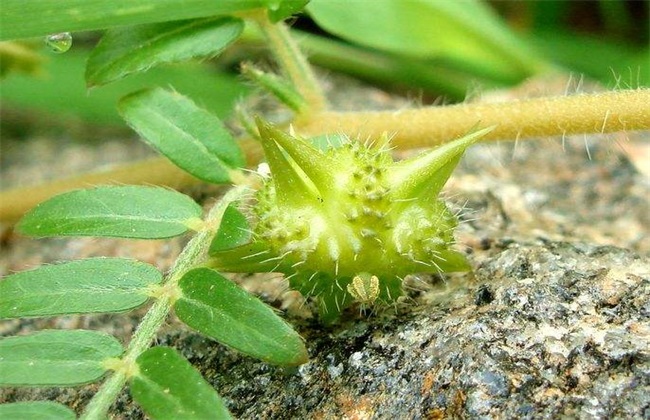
293, 63
424, 127
543, 117
192, 255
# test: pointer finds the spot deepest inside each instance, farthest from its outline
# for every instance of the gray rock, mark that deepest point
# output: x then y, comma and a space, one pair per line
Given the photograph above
548, 345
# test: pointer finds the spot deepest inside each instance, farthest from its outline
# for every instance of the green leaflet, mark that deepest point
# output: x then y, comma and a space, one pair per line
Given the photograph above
56, 357
253, 257
85, 286
20, 19
216, 307
113, 211
168, 387
189, 136
233, 231
36, 410
136, 49
465, 31
276, 85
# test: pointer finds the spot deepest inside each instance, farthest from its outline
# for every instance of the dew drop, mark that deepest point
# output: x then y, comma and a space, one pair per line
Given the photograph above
59, 43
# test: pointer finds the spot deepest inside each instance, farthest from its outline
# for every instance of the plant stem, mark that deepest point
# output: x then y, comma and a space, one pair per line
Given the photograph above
192, 255
424, 127
293, 63
542, 117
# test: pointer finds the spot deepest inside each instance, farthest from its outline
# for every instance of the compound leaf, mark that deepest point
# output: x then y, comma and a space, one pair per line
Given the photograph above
233, 231
189, 136
168, 387
113, 211
216, 307
56, 357
130, 50
85, 286
36, 410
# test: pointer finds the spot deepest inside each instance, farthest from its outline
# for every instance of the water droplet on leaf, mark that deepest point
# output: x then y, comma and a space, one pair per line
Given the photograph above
59, 43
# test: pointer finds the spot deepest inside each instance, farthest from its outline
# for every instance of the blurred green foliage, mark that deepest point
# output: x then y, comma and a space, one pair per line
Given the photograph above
59, 90
602, 40
433, 47
605, 40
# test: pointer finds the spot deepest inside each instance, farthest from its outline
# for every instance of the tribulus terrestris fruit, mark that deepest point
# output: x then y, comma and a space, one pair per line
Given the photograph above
345, 223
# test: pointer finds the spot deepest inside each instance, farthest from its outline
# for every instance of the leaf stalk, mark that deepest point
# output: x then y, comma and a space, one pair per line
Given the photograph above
293, 64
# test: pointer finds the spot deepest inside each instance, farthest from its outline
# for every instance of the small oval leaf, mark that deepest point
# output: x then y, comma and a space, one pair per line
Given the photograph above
124, 51
168, 387
189, 136
36, 410
85, 286
113, 211
218, 308
233, 231
55, 357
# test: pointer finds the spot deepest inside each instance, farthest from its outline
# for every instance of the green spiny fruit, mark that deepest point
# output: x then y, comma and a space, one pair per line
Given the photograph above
347, 224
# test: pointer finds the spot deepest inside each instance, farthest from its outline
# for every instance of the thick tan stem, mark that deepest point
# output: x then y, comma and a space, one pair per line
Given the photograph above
543, 117
423, 127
